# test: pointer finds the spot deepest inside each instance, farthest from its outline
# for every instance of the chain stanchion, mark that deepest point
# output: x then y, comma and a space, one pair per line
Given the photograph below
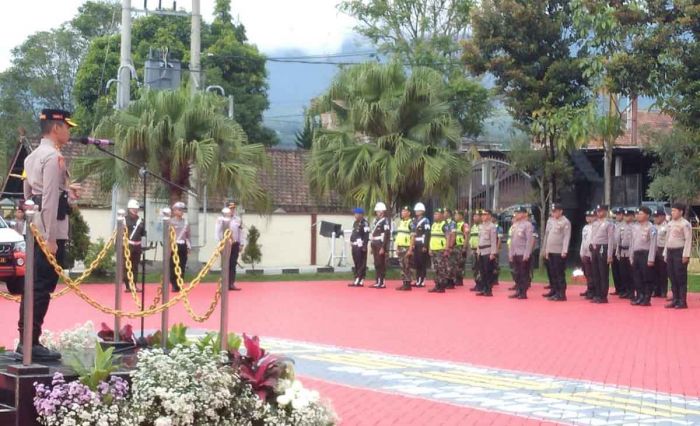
165, 288
28, 297
223, 289
119, 275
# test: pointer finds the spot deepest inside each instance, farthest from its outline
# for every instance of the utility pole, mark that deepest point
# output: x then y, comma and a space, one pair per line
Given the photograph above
196, 84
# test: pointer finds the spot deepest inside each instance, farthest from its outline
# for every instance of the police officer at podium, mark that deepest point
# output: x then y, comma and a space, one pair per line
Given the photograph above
136, 231
47, 185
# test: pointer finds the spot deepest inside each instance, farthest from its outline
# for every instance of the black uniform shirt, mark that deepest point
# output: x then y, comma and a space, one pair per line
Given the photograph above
381, 233
360, 233
421, 228
135, 233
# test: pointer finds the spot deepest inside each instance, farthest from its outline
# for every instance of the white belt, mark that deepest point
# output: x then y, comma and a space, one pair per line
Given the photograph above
135, 243
420, 239
358, 243
181, 242
380, 238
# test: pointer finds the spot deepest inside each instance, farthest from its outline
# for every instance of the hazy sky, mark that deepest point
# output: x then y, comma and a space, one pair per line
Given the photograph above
314, 26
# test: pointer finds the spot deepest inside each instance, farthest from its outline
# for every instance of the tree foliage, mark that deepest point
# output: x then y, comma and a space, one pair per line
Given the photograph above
79, 242
252, 252
394, 138
304, 138
676, 174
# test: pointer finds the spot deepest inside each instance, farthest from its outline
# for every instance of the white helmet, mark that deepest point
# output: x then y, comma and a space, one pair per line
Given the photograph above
225, 211
380, 207
179, 205
419, 207
132, 204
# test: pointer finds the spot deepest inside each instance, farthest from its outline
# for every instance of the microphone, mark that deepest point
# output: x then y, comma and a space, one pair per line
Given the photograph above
87, 140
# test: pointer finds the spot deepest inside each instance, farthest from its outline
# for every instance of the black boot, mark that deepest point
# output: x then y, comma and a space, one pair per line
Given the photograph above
355, 283
406, 286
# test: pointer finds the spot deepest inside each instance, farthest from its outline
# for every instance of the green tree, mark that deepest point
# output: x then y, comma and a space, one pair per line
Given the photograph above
676, 174
394, 140
79, 242
172, 132
252, 253
305, 136
97, 18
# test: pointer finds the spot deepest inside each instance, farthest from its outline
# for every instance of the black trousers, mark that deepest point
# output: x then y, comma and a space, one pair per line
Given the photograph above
135, 257
487, 271
601, 271
557, 273
643, 275
359, 258
617, 278
379, 261
476, 270
421, 259
626, 275
587, 267
678, 272
182, 253
45, 281
233, 263
521, 274
660, 274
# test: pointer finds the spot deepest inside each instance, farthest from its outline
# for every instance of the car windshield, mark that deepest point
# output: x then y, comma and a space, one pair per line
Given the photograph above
3, 224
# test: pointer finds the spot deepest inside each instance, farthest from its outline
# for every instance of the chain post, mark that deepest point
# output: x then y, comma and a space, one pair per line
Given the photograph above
164, 326
223, 286
119, 276
28, 296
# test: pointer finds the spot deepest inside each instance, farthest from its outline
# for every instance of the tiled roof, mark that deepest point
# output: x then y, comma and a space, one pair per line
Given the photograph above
648, 122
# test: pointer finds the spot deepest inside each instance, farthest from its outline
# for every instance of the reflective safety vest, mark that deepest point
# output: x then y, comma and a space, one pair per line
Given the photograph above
510, 234
474, 236
459, 240
438, 242
403, 233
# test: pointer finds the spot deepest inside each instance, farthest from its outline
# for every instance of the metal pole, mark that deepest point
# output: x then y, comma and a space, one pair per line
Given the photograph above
230, 107
332, 256
119, 276
225, 276
166, 277
123, 89
195, 47
196, 79
28, 297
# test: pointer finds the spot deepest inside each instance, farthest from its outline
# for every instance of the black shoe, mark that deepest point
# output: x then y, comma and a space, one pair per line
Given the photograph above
354, 283
549, 294
514, 296
602, 301
234, 288
615, 293
548, 287
421, 283
175, 290
474, 289
40, 353
405, 287
436, 290
672, 305
512, 288
670, 299
645, 302
480, 293
488, 294
522, 296
584, 294
559, 298
681, 305
381, 284
636, 302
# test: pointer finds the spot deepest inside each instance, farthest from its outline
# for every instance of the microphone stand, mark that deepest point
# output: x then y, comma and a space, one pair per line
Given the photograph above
143, 174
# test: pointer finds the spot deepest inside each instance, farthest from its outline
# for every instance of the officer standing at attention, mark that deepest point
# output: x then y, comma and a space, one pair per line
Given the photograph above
602, 249
47, 185
615, 266
474, 249
230, 220
359, 239
585, 255
519, 251
557, 235
182, 238
381, 238
623, 253
677, 256
660, 271
420, 241
643, 254
404, 230
439, 233
20, 222
136, 230
488, 253
451, 263
462, 231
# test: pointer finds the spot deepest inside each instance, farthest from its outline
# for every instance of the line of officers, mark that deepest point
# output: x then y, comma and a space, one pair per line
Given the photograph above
642, 248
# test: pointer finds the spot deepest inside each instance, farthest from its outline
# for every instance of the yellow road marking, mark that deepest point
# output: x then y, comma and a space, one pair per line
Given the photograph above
349, 360
664, 407
637, 408
506, 381
459, 380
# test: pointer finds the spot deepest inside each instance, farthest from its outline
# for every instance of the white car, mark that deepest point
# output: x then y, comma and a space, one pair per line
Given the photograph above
12, 256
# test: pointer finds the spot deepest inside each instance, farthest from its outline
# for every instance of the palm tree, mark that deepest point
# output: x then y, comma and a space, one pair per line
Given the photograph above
393, 138
172, 132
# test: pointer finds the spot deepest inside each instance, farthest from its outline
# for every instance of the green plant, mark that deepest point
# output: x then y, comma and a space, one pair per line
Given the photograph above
79, 242
252, 253
103, 366
212, 341
107, 265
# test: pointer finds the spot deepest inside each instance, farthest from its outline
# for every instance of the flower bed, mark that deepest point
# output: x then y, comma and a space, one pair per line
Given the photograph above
189, 383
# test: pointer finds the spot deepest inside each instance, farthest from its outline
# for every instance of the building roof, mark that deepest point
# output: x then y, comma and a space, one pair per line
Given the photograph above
639, 131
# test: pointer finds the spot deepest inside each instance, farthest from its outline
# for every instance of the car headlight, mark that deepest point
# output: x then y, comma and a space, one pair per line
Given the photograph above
21, 246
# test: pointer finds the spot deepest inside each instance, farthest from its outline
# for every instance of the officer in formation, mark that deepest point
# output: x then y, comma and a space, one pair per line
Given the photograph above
230, 220
623, 254
462, 229
474, 249
47, 185
643, 253
420, 243
380, 240
585, 255
602, 247
404, 231
440, 248
136, 231
452, 252
19, 223
615, 265
519, 251
557, 235
660, 271
359, 239
677, 255
488, 253
182, 239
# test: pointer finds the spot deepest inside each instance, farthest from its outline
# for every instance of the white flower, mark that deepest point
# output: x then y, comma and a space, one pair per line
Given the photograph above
283, 399
163, 421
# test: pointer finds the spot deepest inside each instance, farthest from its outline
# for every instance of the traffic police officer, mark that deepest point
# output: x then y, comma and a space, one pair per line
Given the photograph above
450, 252
557, 235
660, 271
474, 248
643, 254
462, 231
404, 230
585, 255
519, 251
136, 231
182, 239
230, 220
359, 239
420, 241
602, 249
623, 253
615, 266
380, 240
47, 185
439, 233
677, 254
488, 253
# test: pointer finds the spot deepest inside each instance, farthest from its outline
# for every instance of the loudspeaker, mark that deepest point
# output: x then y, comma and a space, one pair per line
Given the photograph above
328, 228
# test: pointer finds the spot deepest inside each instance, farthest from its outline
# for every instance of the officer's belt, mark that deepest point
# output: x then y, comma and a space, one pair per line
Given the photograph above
135, 243
420, 239
641, 251
487, 246
624, 248
379, 238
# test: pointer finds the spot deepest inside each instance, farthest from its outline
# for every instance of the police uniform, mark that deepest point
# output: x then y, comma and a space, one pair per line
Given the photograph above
439, 234
135, 231
660, 271
623, 254
488, 247
359, 239
678, 242
585, 255
474, 248
184, 244
451, 263
460, 251
421, 241
380, 240
557, 235
615, 266
519, 252
404, 229
643, 253
229, 220
602, 248
46, 184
